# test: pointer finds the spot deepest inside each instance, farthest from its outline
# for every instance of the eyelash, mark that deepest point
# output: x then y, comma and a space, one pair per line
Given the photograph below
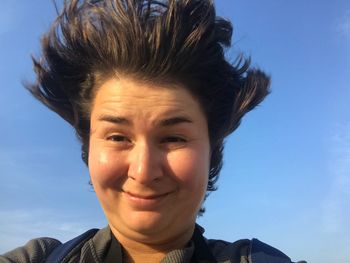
117, 138
170, 139
173, 139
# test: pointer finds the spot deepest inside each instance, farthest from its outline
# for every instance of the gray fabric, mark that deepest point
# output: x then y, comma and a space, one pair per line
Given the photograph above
94, 249
179, 255
35, 251
99, 244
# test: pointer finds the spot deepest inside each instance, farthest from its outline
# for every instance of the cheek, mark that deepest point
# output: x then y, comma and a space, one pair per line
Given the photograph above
104, 167
191, 169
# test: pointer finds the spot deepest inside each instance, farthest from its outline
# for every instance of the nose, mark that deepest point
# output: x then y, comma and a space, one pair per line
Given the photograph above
144, 163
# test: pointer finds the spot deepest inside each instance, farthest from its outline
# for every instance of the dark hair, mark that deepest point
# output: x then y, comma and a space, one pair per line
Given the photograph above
180, 40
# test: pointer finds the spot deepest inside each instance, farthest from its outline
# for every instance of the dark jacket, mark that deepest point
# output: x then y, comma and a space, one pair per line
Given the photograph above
93, 246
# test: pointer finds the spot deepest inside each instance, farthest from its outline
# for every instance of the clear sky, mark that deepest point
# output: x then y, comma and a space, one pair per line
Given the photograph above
286, 177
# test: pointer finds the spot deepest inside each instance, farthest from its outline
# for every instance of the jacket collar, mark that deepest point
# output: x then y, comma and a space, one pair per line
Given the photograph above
104, 239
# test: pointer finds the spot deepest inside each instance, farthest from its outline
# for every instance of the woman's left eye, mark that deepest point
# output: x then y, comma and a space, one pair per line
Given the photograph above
173, 139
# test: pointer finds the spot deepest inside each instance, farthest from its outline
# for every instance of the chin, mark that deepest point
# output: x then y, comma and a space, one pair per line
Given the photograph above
148, 222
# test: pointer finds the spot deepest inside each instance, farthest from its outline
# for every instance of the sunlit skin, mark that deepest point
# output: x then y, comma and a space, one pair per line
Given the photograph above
149, 161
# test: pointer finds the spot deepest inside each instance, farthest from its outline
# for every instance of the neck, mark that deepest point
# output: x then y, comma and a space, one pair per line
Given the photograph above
147, 249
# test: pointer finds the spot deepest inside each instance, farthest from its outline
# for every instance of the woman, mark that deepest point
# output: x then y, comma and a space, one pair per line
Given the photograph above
151, 96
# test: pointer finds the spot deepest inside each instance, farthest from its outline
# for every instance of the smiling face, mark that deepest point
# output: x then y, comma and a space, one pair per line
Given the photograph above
148, 158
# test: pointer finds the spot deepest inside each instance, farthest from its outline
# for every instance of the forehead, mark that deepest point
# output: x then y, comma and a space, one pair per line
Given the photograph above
128, 95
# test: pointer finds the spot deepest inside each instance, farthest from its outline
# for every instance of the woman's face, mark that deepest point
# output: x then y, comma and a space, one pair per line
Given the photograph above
148, 158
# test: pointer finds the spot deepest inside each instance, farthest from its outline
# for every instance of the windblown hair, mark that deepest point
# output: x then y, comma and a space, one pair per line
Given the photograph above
173, 40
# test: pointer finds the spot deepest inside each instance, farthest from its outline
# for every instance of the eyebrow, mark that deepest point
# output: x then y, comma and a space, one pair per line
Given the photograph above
162, 123
174, 121
114, 119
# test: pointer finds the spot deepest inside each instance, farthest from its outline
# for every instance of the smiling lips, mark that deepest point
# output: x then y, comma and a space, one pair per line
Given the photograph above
144, 196
144, 201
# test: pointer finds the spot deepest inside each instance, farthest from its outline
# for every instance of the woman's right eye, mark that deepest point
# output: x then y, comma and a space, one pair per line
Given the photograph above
118, 138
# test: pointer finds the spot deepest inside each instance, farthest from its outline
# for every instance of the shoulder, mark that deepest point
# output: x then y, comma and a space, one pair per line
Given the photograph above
262, 252
224, 251
34, 251
91, 244
246, 251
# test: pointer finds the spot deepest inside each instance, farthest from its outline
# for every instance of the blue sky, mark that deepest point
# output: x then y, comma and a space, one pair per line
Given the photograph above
286, 178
